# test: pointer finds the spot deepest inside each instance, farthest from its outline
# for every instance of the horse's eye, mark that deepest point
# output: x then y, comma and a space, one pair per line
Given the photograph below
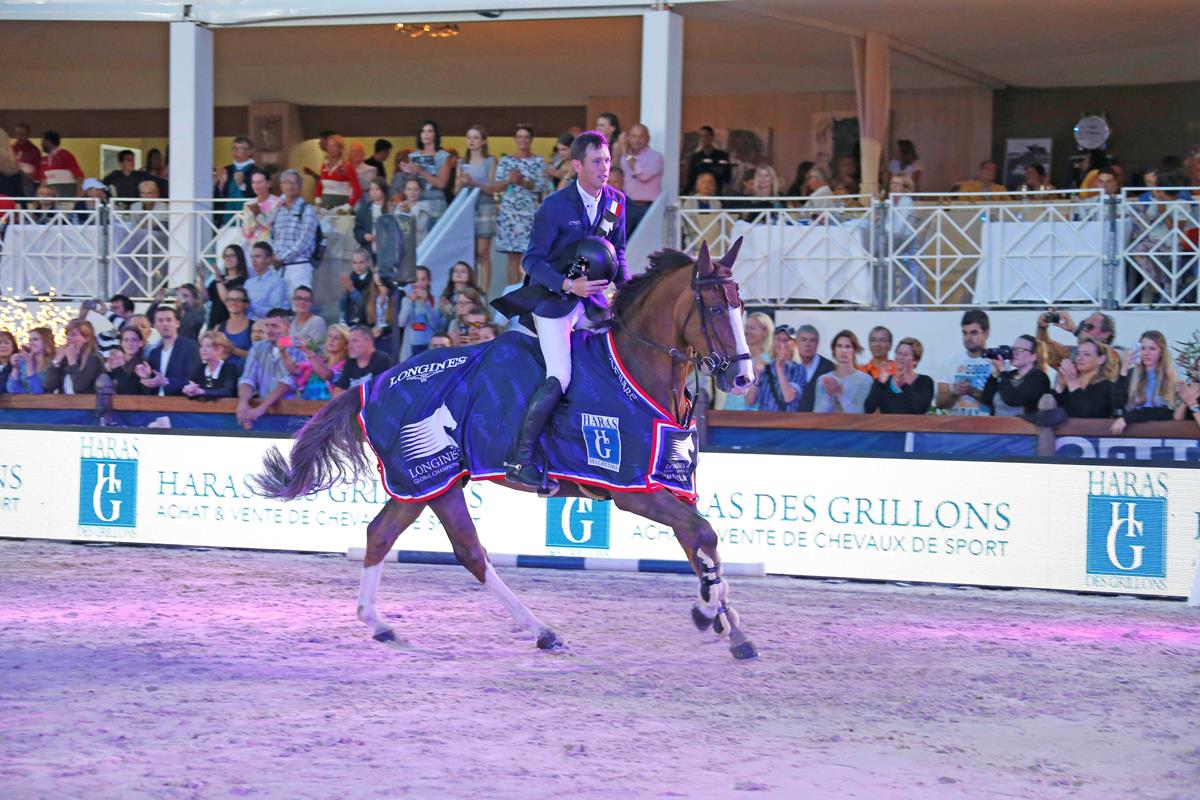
717, 311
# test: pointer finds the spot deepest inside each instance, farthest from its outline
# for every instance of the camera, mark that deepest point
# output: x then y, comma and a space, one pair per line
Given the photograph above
1003, 352
1052, 317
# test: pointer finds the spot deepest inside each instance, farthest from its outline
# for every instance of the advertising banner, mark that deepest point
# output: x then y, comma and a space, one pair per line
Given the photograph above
1086, 527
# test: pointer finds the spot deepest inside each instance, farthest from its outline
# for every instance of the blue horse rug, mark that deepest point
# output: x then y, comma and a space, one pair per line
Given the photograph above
451, 413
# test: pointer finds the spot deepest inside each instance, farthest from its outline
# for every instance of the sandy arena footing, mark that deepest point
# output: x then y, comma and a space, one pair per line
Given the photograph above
131, 672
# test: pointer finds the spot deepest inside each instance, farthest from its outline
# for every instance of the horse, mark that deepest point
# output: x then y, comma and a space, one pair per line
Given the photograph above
703, 330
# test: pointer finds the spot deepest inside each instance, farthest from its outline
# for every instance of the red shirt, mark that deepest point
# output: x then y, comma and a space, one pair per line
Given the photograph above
343, 173
60, 160
27, 153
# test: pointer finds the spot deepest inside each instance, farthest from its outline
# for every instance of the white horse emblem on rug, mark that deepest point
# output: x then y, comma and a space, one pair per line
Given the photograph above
428, 436
682, 452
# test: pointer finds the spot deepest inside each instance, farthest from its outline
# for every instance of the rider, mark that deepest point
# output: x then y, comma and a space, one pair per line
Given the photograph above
586, 208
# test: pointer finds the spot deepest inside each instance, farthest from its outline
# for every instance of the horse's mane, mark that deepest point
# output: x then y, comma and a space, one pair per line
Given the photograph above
662, 264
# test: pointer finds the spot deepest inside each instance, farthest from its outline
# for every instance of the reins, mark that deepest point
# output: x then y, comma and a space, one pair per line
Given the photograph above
709, 364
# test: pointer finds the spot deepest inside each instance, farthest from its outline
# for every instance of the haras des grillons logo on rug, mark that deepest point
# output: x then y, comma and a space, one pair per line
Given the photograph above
1127, 529
108, 481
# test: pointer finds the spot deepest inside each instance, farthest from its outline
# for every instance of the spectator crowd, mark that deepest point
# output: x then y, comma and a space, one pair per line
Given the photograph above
251, 332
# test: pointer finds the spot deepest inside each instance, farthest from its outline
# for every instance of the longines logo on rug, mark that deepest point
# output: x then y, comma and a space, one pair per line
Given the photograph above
1127, 524
577, 522
423, 372
108, 492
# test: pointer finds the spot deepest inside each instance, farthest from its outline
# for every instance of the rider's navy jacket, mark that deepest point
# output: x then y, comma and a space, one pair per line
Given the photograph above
558, 227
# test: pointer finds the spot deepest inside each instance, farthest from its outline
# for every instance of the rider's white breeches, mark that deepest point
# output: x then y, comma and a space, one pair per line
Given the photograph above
554, 334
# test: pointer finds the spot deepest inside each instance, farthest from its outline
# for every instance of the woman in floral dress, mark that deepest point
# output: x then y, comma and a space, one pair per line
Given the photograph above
520, 178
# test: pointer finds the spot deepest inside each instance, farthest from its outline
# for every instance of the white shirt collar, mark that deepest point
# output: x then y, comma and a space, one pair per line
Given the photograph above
590, 204
215, 373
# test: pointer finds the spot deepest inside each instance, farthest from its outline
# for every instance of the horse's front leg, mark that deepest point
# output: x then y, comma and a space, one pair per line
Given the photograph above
382, 532
699, 542
451, 509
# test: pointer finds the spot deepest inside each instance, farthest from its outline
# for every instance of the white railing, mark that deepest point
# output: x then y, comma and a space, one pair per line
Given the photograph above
911, 251
1159, 248
81, 250
959, 250
818, 254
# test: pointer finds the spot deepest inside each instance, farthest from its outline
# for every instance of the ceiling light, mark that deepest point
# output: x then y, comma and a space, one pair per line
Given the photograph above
430, 30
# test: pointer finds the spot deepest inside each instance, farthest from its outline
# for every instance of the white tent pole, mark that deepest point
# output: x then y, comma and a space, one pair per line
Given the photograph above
662, 92
191, 138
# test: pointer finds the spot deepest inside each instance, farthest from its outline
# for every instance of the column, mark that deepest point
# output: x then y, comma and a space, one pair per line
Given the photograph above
191, 137
873, 87
662, 95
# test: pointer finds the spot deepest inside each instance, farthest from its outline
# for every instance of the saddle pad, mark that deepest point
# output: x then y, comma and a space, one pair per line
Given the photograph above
452, 413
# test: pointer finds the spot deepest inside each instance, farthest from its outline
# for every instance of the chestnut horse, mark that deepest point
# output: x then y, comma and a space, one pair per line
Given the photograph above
680, 314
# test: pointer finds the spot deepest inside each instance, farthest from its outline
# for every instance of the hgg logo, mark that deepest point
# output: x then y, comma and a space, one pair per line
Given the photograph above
1127, 536
577, 522
108, 492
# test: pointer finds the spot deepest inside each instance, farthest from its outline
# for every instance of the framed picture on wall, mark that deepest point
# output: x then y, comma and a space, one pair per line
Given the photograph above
1021, 153
109, 160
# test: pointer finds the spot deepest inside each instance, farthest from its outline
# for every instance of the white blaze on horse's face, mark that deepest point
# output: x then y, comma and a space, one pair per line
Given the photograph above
723, 313
743, 379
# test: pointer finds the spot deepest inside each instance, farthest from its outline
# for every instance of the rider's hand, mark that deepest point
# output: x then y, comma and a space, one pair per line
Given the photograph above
582, 287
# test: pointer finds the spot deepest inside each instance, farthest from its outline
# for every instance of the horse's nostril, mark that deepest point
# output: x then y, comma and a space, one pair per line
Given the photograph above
741, 380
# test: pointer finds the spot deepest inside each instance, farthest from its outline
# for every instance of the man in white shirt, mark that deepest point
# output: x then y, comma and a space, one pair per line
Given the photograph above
961, 381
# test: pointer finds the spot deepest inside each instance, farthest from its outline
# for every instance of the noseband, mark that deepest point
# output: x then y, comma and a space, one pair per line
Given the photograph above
715, 361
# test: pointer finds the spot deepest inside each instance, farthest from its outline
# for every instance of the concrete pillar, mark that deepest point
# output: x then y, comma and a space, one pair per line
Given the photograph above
662, 93
191, 142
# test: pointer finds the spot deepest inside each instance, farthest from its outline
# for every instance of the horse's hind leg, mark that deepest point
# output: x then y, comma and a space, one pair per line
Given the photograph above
451, 509
699, 543
382, 533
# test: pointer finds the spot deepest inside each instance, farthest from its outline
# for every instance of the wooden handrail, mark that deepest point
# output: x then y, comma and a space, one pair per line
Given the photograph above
895, 423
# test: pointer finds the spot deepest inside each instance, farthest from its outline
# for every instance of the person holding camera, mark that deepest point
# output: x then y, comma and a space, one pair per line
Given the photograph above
1148, 389
1015, 391
271, 371
1097, 325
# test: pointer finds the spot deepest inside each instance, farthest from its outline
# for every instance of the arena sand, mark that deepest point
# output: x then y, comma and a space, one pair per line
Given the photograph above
142, 672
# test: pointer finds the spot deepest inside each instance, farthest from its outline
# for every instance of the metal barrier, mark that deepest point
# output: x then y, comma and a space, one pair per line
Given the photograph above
80, 249
910, 251
1159, 248
815, 255
957, 250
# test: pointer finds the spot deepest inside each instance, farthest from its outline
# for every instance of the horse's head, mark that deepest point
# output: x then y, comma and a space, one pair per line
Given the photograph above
715, 330
443, 417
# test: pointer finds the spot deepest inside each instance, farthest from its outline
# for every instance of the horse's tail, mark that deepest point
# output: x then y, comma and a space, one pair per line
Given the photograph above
328, 450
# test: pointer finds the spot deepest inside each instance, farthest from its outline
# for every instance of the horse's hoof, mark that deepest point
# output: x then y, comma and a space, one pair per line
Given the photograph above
387, 635
743, 651
702, 621
549, 641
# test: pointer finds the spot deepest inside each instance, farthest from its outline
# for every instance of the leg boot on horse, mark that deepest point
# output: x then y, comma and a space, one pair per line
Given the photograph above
520, 469
699, 542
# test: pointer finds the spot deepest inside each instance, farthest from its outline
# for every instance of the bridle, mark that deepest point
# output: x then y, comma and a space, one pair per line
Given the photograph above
715, 361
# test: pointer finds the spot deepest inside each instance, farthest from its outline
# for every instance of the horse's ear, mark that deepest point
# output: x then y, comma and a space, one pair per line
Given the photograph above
728, 260
704, 265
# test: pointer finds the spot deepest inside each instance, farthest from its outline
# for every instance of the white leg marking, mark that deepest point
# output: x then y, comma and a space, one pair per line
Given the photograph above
520, 613
367, 590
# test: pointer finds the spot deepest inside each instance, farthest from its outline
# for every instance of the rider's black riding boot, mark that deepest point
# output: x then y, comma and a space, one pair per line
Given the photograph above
520, 466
